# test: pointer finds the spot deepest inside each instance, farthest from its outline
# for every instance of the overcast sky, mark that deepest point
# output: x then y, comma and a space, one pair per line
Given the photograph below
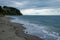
34, 7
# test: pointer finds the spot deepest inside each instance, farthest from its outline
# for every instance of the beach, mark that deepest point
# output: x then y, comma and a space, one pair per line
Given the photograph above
13, 31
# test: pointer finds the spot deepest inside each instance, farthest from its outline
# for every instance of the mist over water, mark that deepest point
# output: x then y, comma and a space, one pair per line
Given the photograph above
46, 27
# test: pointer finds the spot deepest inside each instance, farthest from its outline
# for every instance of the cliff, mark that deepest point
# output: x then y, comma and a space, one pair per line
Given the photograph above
9, 11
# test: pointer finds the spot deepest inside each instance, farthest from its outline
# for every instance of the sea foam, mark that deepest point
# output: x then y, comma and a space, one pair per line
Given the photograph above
38, 30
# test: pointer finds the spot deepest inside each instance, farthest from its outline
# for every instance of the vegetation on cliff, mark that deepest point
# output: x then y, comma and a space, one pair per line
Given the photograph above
9, 11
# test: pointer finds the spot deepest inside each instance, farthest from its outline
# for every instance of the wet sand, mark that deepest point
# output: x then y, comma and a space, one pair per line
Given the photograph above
13, 31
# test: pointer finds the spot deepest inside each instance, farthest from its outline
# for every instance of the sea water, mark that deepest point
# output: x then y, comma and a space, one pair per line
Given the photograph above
46, 27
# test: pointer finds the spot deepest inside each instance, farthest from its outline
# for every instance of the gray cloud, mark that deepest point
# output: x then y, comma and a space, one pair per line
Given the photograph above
27, 4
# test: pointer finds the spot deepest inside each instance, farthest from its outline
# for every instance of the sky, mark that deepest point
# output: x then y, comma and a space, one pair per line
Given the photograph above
34, 7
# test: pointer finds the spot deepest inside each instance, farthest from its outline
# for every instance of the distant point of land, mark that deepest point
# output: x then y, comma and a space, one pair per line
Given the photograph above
5, 10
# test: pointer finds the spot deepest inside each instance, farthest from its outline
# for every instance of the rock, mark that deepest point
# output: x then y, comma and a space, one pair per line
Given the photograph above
3, 31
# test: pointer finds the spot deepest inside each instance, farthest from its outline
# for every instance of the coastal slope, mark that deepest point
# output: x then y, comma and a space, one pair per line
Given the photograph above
9, 11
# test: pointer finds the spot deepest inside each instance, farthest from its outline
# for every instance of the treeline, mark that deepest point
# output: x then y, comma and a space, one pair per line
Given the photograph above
9, 11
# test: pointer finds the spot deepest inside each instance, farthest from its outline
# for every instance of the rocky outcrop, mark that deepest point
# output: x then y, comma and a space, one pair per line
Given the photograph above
9, 11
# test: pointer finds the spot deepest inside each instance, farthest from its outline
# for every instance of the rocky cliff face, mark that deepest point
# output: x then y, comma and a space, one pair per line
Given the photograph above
9, 11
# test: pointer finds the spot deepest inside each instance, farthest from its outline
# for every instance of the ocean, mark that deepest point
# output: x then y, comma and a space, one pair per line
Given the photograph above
45, 27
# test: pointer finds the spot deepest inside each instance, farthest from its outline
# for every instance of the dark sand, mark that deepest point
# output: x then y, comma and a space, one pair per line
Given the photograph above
13, 31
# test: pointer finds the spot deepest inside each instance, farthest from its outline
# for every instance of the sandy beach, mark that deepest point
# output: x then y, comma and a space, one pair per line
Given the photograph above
13, 31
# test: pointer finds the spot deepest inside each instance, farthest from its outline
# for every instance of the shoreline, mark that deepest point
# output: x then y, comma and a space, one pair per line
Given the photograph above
13, 31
